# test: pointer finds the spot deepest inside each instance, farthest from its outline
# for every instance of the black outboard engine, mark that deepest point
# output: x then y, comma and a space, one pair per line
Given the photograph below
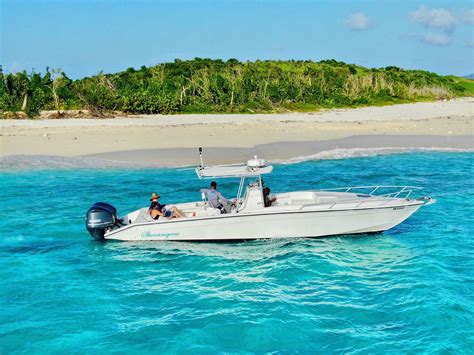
101, 217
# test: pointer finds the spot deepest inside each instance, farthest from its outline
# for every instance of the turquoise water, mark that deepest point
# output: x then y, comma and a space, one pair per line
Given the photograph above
407, 290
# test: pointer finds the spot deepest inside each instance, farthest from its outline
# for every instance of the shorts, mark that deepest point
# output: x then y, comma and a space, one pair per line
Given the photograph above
167, 213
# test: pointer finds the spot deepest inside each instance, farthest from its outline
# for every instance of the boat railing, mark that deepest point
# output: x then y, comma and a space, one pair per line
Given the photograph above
378, 193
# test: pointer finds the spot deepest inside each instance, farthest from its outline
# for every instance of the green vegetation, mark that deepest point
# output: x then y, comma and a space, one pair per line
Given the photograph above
211, 86
463, 84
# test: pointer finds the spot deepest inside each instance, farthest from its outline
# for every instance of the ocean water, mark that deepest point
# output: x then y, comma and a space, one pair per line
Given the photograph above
407, 290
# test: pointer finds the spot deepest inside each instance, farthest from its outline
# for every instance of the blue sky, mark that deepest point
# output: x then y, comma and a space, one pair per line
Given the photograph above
84, 37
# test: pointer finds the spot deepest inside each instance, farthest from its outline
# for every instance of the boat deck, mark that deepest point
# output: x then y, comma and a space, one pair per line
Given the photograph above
292, 201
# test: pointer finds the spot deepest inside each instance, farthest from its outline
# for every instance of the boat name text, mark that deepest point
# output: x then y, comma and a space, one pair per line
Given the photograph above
148, 234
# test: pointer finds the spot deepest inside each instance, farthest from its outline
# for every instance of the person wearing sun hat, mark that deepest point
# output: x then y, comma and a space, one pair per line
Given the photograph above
158, 210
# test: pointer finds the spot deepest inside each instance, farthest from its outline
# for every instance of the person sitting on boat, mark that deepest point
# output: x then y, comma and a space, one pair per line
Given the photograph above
267, 198
158, 210
215, 198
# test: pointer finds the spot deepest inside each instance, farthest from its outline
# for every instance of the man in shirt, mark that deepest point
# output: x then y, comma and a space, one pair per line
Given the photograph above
267, 198
215, 198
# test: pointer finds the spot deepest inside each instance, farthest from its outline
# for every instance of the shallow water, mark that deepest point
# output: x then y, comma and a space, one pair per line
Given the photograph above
407, 290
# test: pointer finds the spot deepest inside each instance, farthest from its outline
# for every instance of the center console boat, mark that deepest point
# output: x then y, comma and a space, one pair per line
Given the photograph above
296, 214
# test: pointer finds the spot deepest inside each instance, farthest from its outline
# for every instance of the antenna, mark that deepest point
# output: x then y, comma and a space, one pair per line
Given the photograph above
200, 156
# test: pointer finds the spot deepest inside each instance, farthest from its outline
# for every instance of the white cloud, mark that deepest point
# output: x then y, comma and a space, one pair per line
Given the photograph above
435, 18
358, 21
468, 16
437, 39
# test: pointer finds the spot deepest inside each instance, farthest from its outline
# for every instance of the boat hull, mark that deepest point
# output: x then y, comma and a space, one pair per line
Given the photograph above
240, 226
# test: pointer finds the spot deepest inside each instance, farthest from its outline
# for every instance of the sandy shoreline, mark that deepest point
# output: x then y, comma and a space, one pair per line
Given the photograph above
293, 151
170, 139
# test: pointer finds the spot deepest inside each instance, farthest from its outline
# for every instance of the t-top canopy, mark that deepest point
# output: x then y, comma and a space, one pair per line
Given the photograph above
236, 170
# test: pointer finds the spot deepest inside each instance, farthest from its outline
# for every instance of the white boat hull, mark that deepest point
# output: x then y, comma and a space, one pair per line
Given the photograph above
284, 224
255, 214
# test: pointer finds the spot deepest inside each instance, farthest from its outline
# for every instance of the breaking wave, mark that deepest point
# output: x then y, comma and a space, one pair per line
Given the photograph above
32, 162
346, 153
38, 162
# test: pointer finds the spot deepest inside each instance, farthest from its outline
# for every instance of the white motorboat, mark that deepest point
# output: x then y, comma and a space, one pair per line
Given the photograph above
315, 213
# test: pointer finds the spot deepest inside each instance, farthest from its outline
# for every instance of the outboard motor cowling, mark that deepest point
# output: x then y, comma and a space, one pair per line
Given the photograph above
99, 218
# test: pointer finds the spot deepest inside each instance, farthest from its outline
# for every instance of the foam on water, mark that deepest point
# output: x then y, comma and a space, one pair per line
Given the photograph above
408, 290
344, 153
28, 162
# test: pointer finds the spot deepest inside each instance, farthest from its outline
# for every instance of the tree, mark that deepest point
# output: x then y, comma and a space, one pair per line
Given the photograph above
3, 93
59, 81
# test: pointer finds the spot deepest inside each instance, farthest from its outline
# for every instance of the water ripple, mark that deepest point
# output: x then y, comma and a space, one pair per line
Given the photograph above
407, 290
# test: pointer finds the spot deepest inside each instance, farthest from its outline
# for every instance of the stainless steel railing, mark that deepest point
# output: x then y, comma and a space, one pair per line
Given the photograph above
399, 191
377, 193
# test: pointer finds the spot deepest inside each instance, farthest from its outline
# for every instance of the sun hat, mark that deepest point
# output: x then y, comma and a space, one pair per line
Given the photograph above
154, 195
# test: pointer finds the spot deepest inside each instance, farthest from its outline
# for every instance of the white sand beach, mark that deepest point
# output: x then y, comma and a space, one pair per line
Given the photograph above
170, 138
